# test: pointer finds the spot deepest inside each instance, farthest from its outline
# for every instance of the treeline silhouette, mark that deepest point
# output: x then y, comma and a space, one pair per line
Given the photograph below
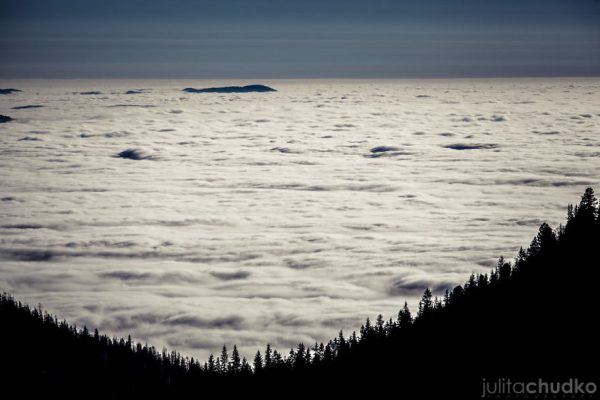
535, 317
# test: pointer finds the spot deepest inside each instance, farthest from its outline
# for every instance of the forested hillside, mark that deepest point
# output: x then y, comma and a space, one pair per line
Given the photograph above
528, 319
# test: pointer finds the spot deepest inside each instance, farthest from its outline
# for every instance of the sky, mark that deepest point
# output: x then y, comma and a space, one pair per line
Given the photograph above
298, 39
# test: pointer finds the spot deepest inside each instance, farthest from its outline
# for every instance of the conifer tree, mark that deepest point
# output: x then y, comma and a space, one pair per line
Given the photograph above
404, 317
236, 363
426, 304
224, 360
380, 325
258, 363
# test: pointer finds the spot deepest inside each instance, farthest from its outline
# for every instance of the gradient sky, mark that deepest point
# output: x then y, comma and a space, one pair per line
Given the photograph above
298, 39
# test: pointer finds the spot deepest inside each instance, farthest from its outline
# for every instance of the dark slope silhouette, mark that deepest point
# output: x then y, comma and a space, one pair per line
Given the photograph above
232, 89
528, 320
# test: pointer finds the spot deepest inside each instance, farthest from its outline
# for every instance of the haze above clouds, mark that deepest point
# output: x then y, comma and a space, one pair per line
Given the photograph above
298, 39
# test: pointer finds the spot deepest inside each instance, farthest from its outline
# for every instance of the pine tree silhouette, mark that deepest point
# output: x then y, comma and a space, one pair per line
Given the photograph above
532, 319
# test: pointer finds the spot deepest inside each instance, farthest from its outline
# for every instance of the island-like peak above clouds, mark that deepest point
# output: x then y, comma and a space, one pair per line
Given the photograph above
8, 91
232, 89
5, 118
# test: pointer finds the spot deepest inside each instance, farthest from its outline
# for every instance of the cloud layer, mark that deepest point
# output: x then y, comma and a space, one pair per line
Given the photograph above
277, 217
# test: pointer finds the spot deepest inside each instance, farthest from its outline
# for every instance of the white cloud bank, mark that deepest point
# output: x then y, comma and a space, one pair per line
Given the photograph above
270, 217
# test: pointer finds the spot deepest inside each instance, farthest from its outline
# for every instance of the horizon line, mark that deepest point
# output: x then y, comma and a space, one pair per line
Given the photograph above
312, 78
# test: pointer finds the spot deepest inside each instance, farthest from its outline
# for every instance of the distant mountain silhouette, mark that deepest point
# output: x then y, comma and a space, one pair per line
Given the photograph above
8, 91
5, 118
27, 107
134, 154
232, 89
529, 320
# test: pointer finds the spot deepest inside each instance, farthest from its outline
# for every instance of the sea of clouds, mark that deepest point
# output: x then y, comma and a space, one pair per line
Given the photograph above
277, 217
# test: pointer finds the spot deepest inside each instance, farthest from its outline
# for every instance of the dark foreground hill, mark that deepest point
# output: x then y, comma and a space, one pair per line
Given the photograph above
528, 325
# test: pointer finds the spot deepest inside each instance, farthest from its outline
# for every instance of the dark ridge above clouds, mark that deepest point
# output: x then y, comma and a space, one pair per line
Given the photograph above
387, 151
232, 89
382, 149
27, 107
461, 146
5, 118
134, 154
8, 91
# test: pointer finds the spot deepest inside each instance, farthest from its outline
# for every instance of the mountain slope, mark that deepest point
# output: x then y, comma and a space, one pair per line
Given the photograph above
528, 320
